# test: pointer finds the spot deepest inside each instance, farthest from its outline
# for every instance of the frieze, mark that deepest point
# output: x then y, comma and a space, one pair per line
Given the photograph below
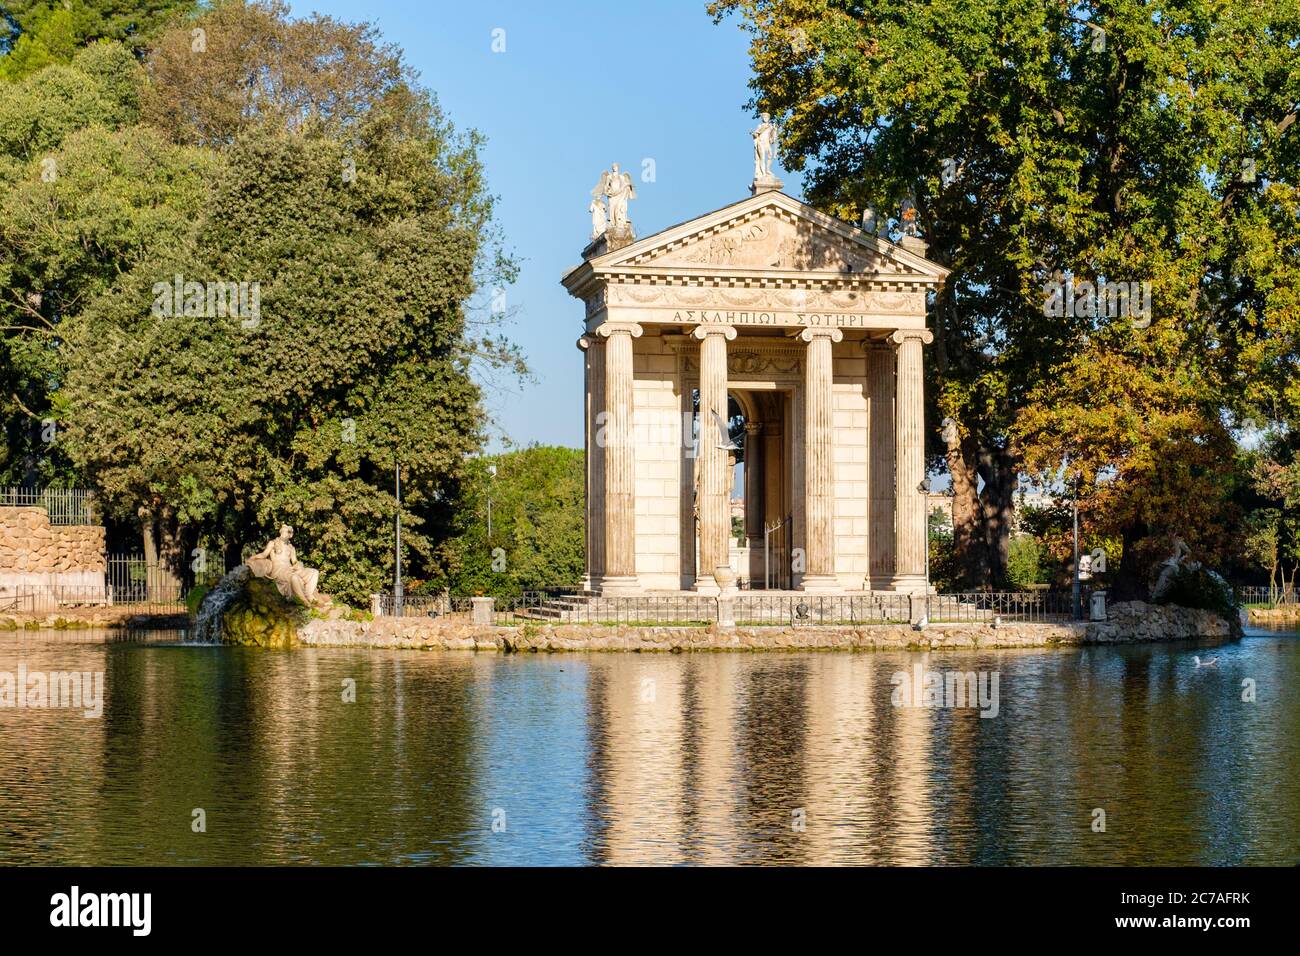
763, 300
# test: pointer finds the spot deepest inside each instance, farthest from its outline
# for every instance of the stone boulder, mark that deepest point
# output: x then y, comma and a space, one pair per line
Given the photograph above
250, 611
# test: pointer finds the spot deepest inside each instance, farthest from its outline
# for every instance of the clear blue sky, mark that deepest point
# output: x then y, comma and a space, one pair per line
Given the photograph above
580, 85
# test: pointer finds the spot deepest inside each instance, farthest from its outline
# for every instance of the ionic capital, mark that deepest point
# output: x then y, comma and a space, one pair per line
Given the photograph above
902, 335
822, 331
753, 428
606, 329
703, 331
584, 342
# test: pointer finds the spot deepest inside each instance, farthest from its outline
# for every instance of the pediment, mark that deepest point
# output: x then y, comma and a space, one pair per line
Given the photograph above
770, 232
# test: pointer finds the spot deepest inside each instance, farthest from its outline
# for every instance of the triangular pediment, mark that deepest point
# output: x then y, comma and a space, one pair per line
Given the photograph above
770, 232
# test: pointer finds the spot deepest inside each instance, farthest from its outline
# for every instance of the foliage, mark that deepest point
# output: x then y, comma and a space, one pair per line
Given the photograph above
87, 196
1022, 562
313, 75
1164, 153
356, 211
35, 34
537, 505
945, 571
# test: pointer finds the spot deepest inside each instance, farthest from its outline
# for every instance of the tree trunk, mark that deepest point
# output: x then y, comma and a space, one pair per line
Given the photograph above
161, 553
171, 553
1130, 582
998, 469
967, 528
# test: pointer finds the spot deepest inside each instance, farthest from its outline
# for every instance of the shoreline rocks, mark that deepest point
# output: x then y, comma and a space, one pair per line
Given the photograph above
1130, 623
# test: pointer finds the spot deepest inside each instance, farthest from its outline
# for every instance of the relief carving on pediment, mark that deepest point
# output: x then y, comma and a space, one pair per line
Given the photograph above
772, 243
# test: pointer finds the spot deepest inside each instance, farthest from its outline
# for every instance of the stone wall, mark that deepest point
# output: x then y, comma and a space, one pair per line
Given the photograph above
1131, 623
34, 553
1135, 622
1275, 616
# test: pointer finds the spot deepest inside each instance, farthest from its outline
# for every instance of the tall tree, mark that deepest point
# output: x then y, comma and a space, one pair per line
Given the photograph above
35, 34
535, 536
1055, 143
327, 257
84, 196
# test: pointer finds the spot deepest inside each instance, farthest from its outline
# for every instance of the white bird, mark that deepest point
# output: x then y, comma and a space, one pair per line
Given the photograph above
724, 442
1212, 662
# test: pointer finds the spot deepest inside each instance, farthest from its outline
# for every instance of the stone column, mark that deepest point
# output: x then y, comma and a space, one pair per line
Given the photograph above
909, 449
881, 480
588, 486
774, 480
714, 499
754, 484
614, 432
819, 468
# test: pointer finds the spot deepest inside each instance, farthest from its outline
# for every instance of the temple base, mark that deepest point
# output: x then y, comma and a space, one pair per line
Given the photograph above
625, 585
909, 584
820, 584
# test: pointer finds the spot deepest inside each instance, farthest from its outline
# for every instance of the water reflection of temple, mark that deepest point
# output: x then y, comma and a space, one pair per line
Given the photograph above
725, 759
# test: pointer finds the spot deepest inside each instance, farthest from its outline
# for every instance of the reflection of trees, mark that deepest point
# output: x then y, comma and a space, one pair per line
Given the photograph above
285, 770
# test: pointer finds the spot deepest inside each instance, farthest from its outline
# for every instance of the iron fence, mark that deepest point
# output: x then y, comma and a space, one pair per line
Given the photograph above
993, 606
130, 583
756, 609
65, 506
526, 605
55, 598
1273, 596
787, 610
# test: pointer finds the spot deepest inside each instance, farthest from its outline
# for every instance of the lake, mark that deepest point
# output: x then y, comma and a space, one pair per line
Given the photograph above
781, 758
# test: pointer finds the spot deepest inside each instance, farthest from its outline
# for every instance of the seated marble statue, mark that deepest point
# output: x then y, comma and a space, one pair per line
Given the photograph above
293, 579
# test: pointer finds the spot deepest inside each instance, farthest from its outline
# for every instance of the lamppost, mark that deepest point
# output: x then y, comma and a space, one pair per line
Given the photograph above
397, 567
1074, 586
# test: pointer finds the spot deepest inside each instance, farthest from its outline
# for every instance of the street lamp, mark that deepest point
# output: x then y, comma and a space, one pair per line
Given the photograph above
397, 566
1075, 585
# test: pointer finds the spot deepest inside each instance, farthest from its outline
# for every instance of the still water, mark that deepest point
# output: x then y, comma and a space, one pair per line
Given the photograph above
449, 758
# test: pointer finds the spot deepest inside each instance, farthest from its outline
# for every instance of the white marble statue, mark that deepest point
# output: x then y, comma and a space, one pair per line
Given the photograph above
599, 218
293, 579
618, 187
870, 221
764, 148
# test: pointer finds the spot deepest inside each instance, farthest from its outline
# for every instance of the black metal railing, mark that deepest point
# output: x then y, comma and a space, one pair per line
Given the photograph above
1274, 596
65, 506
996, 606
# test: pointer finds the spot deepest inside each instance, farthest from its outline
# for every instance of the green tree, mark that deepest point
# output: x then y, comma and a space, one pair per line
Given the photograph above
537, 538
1062, 142
360, 233
84, 196
35, 34
1022, 561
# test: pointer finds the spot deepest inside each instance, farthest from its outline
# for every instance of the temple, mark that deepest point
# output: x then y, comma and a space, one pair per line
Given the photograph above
771, 334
